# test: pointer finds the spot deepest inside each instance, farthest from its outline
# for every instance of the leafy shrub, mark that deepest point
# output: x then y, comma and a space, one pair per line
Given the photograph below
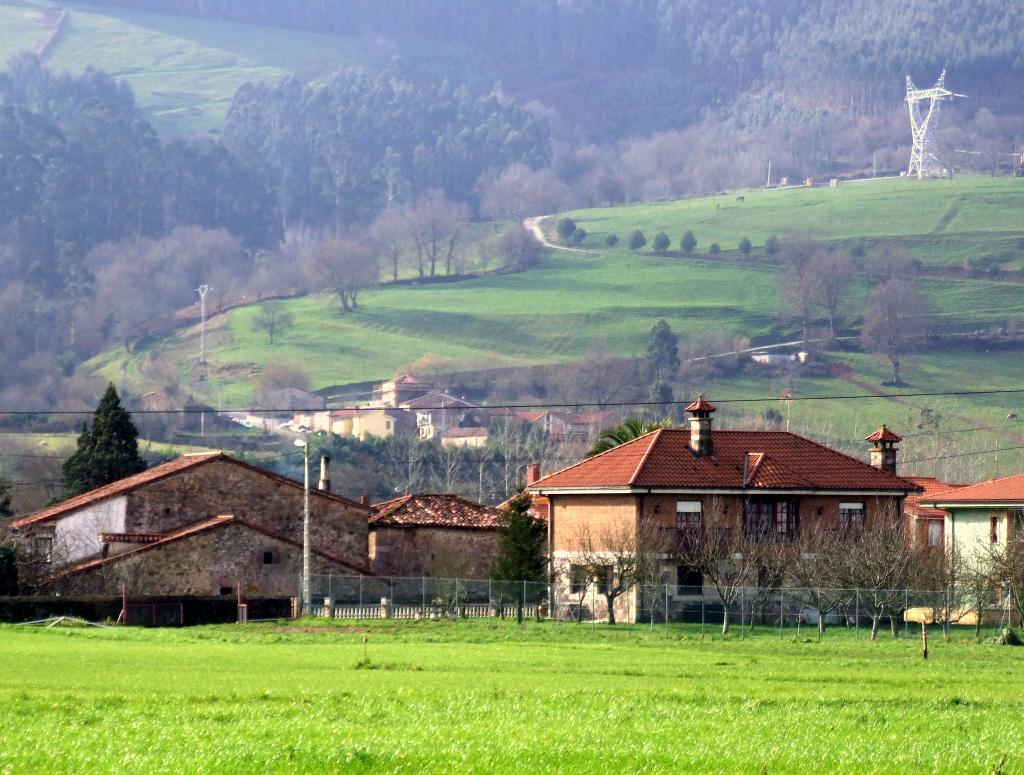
637, 240
715, 249
771, 245
688, 242
566, 228
611, 240
661, 242
745, 247
578, 236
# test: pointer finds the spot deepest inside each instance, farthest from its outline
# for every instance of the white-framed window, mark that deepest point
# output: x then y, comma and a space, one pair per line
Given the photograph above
851, 516
688, 515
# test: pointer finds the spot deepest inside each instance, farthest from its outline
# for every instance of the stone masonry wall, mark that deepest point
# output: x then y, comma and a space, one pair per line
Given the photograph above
222, 487
433, 551
206, 564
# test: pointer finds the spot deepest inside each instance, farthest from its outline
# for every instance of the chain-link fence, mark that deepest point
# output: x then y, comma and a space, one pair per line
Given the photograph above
787, 609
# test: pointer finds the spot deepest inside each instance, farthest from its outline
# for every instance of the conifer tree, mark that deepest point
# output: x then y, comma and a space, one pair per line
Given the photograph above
522, 539
108, 449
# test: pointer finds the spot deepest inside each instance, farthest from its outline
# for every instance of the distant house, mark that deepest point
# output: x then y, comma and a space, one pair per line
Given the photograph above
437, 412
200, 524
979, 515
926, 524
400, 390
433, 535
574, 426
464, 437
359, 423
769, 484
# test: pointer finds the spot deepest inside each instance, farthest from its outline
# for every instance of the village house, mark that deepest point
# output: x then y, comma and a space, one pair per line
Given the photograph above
770, 484
433, 535
400, 390
358, 423
977, 516
200, 524
437, 412
926, 524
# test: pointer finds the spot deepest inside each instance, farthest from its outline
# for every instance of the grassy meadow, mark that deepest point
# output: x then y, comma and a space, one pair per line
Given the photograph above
184, 71
496, 697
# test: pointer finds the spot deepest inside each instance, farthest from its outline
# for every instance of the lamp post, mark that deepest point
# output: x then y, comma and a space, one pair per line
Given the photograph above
305, 525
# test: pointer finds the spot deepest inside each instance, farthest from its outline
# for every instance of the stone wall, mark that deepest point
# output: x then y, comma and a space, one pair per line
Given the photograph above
209, 563
433, 551
225, 487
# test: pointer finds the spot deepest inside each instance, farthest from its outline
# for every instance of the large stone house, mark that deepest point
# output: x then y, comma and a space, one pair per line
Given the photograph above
770, 484
200, 524
433, 535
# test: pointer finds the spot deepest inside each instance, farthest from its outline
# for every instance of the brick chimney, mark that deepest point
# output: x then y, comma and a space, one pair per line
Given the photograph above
700, 426
532, 473
325, 473
884, 448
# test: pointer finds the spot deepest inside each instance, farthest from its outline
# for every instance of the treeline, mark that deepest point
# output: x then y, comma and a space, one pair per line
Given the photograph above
607, 63
343, 151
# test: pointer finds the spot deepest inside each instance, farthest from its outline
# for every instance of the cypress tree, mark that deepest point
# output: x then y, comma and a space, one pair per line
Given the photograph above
522, 540
108, 449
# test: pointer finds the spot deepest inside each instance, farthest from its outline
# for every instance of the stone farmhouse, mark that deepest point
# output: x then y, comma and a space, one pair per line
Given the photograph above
770, 484
200, 524
433, 535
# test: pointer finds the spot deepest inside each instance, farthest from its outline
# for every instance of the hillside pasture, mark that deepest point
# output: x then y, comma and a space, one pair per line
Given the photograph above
497, 697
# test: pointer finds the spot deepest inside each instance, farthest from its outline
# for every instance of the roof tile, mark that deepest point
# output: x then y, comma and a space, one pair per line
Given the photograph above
434, 510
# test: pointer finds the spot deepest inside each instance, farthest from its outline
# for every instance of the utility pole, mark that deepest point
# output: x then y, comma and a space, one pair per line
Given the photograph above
769, 183
923, 127
202, 290
304, 443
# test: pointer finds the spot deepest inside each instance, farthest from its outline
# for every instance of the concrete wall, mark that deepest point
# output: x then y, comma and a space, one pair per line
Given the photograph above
970, 528
205, 564
433, 551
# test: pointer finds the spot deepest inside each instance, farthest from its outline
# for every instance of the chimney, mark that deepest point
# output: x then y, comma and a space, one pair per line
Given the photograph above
365, 500
884, 449
325, 473
700, 426
532, 473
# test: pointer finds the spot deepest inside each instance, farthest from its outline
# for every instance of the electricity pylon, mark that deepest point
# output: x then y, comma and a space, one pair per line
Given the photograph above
922, 129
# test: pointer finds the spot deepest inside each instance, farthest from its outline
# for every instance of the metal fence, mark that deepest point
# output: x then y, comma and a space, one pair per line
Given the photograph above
788, 609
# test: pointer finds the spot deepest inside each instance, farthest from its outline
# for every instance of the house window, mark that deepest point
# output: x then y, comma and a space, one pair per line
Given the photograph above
688, 579
268, 557
851, 516
993, 530
387, 425
43, 547
934, 532
227, 590
772, 520
577, 579
688, 514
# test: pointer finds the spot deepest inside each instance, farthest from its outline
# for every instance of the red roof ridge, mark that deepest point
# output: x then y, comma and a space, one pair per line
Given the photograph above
157, 473
646, 455
701, 405
599, 455
884, 434
964, 493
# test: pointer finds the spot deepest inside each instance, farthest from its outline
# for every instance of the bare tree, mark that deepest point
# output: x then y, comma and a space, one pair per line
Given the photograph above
346, 266
879, 564
273, 318
621, 556
723, 553
519, 191
520, 248
834, 270
895, 323
977, 586
1005, 561
435, 228
820, 568
390, 236
800, 291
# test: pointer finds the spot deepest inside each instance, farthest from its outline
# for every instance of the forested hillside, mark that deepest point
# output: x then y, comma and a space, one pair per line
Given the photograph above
619, 67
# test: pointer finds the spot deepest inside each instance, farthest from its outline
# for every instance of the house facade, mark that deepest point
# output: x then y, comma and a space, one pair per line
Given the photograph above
772, 485
980, 515
185, 502
440, 535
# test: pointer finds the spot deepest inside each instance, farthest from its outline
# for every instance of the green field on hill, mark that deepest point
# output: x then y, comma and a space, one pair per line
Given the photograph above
556, 312
938, 221
497, 697
184, 71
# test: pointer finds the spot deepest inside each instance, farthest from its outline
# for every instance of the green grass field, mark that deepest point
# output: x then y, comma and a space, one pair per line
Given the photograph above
495, 697
184, 71
938, 221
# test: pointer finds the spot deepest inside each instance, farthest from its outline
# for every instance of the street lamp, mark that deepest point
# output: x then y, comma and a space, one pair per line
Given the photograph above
305, 525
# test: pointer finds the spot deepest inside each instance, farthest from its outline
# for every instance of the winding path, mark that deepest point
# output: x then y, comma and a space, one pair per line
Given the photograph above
532, 225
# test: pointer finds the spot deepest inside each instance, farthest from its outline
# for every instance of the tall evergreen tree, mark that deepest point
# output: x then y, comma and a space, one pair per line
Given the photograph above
522, 544
108, 449
662, 354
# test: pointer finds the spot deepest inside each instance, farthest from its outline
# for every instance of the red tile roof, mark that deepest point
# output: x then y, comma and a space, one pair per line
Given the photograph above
913, 506
196, 528
155, 474
883, 434
741, 459
1008, 490
434, 510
